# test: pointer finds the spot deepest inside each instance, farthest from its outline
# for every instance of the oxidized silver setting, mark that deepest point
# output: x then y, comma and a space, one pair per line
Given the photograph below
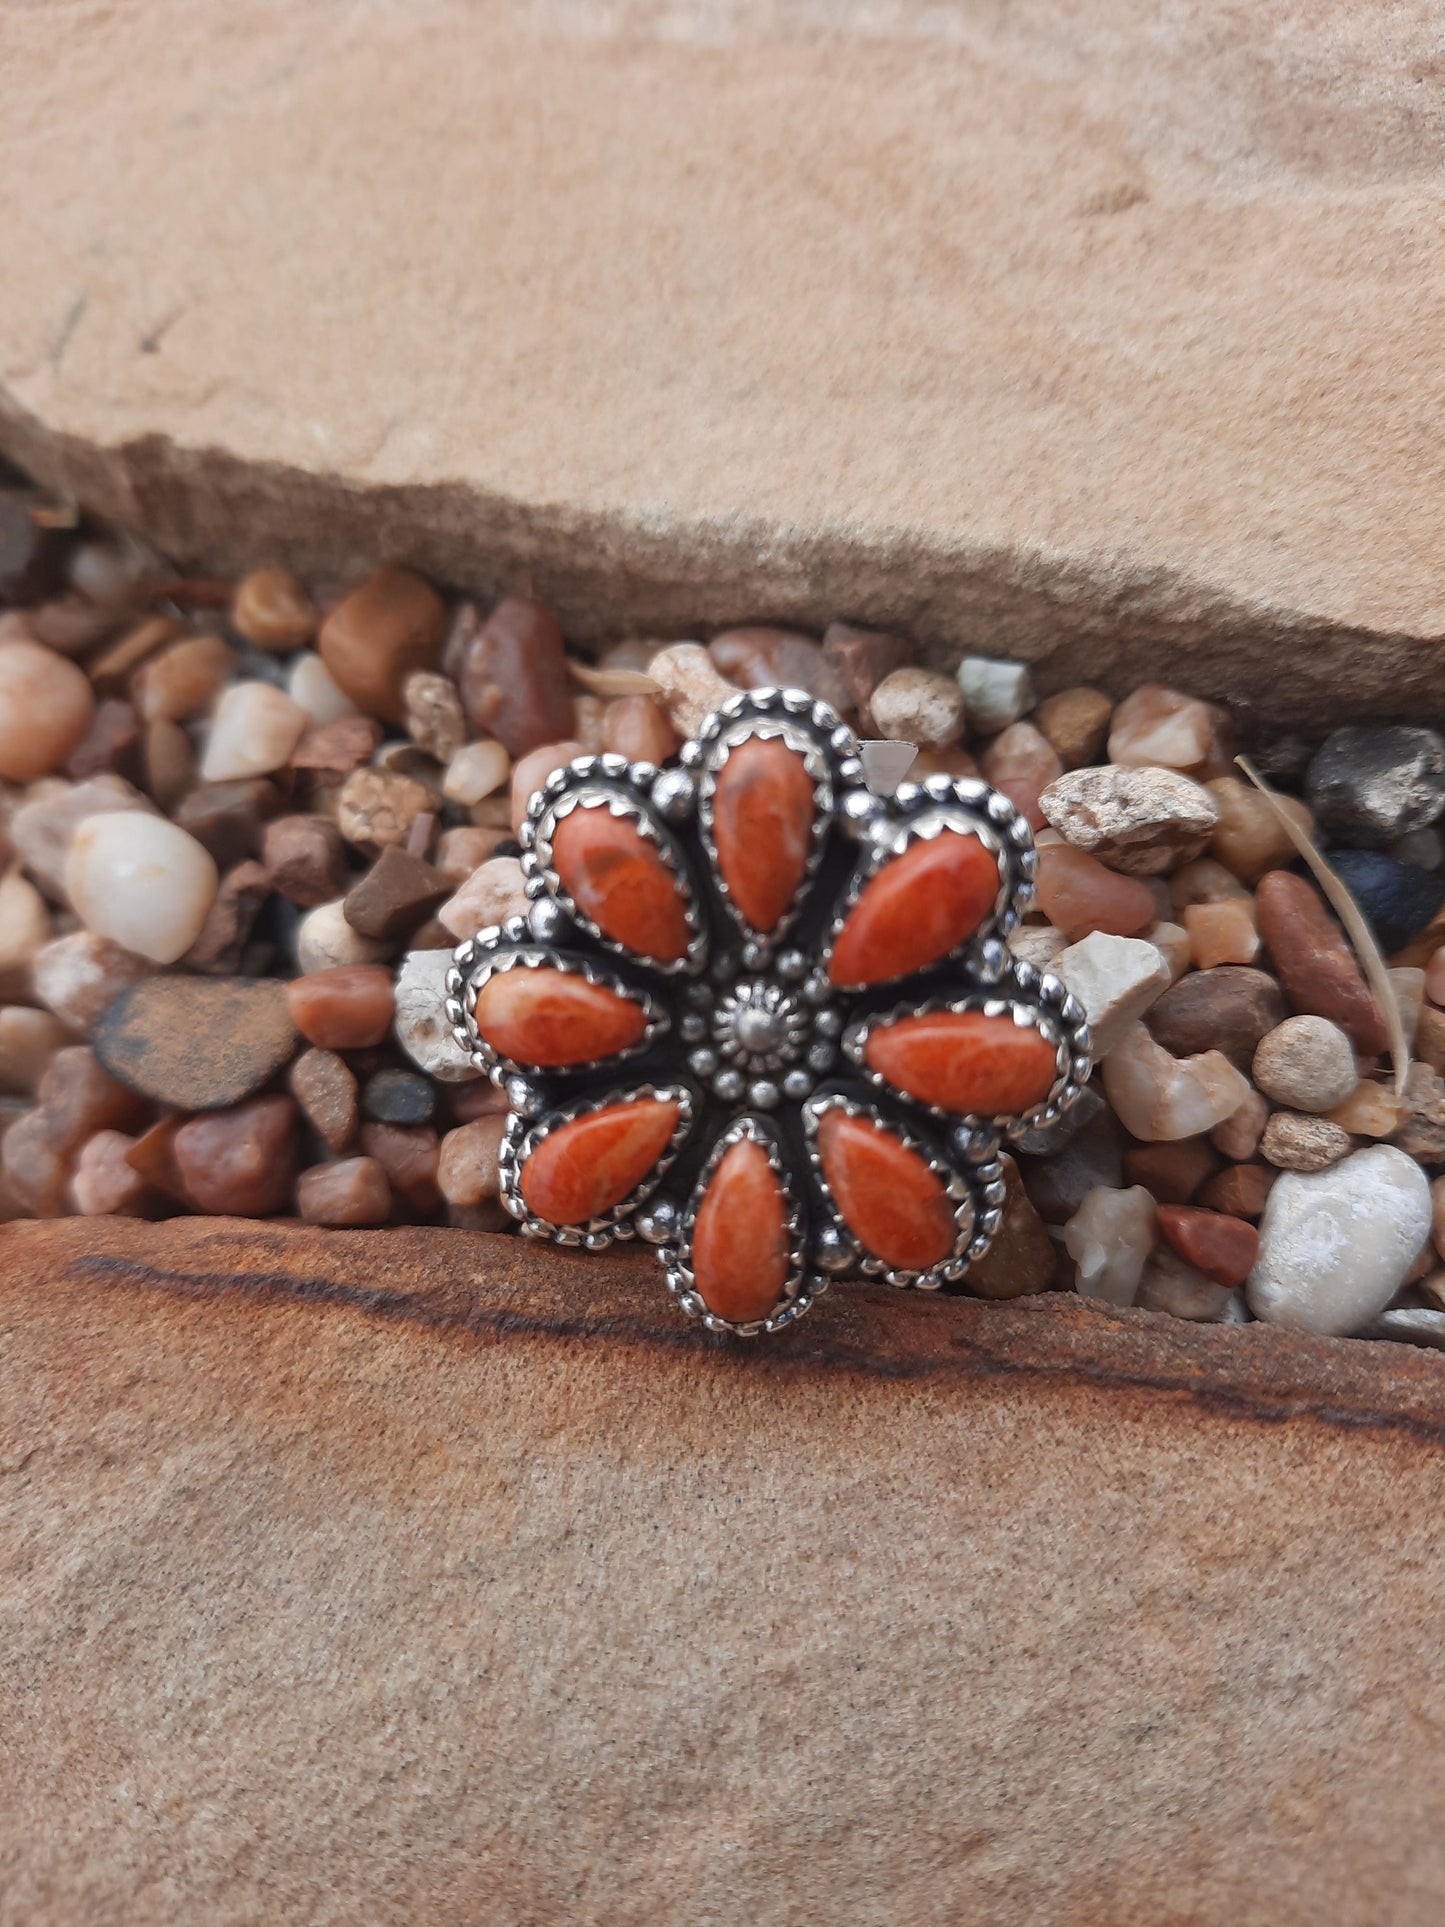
747, 1033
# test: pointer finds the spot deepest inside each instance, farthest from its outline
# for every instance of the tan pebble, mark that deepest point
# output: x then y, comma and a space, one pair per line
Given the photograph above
1408, 984
1295, 1143
32, 1171
1238, 1136
1221, 933
1076, 723
1078, 894
377, 807
489, 896
1142, 822
1249, 837
475, 771
376, 636
1430, 1037
532, 771
28, 1040
1172, 941
183, 679
918, 706
1371, 1110
142, 882
1205, 881
464, 849
1158, 1096
353, 1191
105, 1183
325, 941
1160, 725
313, 688
434, 719
689, 684
77, 975
46, 706
1038, 944
1305, 1064
637, 727
272, 610
168, 763
468, 1170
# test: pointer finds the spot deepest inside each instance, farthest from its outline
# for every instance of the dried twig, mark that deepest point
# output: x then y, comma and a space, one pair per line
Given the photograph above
612, 682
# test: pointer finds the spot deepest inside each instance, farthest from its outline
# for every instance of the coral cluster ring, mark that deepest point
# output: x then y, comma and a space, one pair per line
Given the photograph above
764, 1018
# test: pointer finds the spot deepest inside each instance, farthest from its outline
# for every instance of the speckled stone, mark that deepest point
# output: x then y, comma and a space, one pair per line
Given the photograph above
198, 1043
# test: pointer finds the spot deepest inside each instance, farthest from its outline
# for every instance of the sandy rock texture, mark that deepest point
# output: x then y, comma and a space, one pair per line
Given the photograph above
417, 1575
1105, 337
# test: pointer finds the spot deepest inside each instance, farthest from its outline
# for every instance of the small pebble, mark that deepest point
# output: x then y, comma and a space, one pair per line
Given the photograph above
422, 1028
513, 677
1249, 838
168, 763
142, 882
918, 706
353, 1191
1171, 1172
272, 610
46, 707
862, 659
1228, 1008
24, 929
1156, 725
324, 1087
1021, 1258
77, 975
1059, 1184
28, 1040
1408, 986
1239, 1190
43, 828
397, 894
78, 1096
434, 718
105, 1183
689, 684
227, 818
1157, 1096
1335, 1245
762, 656
305, 857
489, 896
1021, 763
1238, 1136
377, 807
376, 636
1398, 900
637, 727
1306, 1064
399, 1097
254, 730
242, 1162
1078, 895
408, 1153
329, 752
182, 680
34, 1174
1116, 979
1430, 1038
1109, 1238
1292, 1142
1140, 821
1221, 933
201, 1044
1076, 724
326, 941
1315, 965
1204, 881
1368, 786
531, 772
468, 1170
1371, 1110
996, 692
1223, 1248
111, 744
313, 688
1171, 1284
347, 1008
1171, 940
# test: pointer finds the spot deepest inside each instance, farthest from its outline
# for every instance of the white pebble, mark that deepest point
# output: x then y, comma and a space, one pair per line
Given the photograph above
995, 692
311, 686
1335, 1246
142, 882
689, 685
1306, 1063
918, 706
254, 731
325, 939
422, 1028
475, 771
1038, 944
1109, 1238
1173, 1285
1116, 979
1159, 1098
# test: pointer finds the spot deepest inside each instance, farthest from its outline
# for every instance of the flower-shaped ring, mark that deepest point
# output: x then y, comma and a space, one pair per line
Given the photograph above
765, 1018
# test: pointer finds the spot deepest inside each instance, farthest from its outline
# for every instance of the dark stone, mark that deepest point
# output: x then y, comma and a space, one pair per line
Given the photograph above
1228, 1008
227, 817
200, 1043
32, 557
399, 1097
225, 936
1398, 899
1368, 786
398, 893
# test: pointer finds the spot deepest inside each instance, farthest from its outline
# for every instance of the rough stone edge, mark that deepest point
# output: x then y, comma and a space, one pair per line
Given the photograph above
1091, 617
465, 1289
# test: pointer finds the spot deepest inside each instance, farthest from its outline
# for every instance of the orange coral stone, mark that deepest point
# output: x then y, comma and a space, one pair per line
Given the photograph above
964, 1061
740, 1237
892, 1203
618, 878
584, 1168
762, 816
915, 910
549, 1017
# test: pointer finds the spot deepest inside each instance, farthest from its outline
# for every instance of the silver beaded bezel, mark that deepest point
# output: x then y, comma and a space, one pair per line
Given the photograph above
977, 1212
505, 955
799, 1290
919, 812
1057, 1015
523, 1135
622, 789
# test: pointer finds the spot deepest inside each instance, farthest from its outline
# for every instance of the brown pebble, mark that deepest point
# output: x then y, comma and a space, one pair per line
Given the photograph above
322, 1084
761, 654
111, 669
224, 935
182, 679
1239, 1190
376, 636
242, 1162
32, 552
1172, 1172
863, 658
468, 1169
1227, 1009
305, 857
167, 763
637, 727
329, 752
199, 1043
78, 1096
398, 893
112, 744
1021, 1257
408, 1153
153, 1156
1075, 722
477, 1098
465, 849
36, 1174
1316, 966
513, 677
347, 1008
272, 610
1430, 1037
354, 1191
227, 818
377, 807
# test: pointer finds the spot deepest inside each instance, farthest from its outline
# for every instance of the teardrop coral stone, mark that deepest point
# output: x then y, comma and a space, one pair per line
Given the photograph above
740, 1237
618, 878
962, 1060
552, 1018
892, 1203
918, 908
762, 815
584, 1168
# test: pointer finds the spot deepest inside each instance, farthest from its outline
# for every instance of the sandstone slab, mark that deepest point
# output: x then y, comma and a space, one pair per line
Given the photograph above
1092, 414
